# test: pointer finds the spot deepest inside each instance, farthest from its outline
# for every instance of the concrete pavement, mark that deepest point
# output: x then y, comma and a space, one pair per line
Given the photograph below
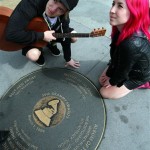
128, 119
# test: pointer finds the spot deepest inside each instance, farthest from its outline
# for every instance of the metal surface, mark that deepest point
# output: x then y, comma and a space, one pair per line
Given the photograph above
53, 109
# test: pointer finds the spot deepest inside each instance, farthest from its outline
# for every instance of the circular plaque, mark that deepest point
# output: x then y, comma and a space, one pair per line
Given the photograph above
53, 109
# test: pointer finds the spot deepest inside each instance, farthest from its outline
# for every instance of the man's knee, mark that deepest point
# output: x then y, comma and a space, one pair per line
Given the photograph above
33, 54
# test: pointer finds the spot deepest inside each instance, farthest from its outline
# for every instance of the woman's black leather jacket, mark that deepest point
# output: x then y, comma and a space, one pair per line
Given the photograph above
130, 60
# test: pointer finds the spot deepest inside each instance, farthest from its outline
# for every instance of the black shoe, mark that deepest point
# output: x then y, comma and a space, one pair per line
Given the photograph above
54, 50
41, 61
3, 136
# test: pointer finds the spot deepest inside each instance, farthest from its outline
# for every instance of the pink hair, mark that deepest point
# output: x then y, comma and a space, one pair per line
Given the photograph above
139, 20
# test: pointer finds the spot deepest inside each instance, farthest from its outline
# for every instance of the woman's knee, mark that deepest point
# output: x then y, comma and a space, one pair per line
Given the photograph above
114, 92
104, 93
108, 95
33, 54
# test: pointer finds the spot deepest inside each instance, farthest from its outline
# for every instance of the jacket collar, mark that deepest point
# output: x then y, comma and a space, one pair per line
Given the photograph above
140, 34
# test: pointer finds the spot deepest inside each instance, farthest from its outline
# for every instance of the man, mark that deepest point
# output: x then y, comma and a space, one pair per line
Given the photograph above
56, 14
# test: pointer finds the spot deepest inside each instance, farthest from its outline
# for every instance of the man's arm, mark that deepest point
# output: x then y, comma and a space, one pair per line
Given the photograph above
16, 29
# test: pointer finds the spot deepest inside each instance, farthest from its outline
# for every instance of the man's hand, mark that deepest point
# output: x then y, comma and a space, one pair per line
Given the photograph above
74, 39
72, 63
48, 36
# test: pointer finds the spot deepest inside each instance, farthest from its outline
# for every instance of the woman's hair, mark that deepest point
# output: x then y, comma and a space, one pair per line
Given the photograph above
139, 20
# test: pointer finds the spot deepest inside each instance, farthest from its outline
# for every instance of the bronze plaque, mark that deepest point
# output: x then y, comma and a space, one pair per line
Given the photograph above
53, 109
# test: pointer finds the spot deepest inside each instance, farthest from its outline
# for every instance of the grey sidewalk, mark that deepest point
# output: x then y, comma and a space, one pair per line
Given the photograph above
128, 119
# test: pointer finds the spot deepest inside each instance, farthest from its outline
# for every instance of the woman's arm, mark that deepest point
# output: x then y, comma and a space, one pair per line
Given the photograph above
128, 53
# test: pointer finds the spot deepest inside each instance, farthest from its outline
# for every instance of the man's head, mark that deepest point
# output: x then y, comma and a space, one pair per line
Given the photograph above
59, 7
69, 4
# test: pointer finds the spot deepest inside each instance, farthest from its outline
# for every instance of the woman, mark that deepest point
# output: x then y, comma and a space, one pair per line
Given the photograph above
129, 67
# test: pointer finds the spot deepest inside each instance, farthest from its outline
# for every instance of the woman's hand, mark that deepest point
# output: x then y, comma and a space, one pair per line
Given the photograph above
107, 84
104, 79
73, 63
48, 36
